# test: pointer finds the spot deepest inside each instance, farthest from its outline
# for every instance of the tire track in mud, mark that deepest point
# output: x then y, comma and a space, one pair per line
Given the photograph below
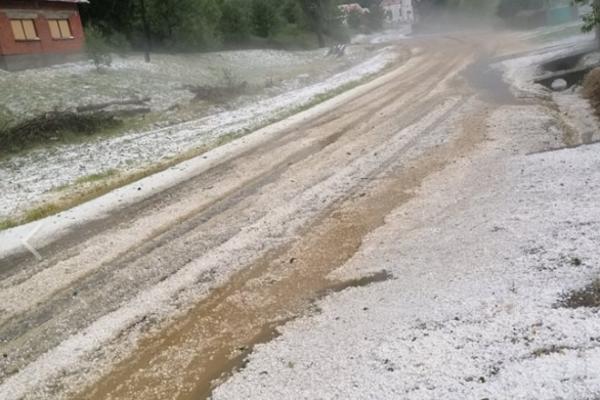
157, 202
228, 204
403, 83
223, 329
191, 221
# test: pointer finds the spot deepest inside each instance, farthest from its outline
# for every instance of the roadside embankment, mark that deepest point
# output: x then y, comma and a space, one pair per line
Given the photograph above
591, 88
48, 179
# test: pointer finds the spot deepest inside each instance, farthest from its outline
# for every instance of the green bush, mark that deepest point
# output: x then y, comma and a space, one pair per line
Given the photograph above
235, 21
264, 17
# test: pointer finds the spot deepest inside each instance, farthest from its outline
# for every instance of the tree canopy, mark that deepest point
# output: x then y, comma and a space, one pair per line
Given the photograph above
592, 20
205, 24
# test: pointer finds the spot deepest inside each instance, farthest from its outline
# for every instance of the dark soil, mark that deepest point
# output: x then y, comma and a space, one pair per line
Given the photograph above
586, 297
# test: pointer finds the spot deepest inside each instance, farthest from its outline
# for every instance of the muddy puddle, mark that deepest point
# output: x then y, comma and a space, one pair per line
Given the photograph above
488, 81
232, 363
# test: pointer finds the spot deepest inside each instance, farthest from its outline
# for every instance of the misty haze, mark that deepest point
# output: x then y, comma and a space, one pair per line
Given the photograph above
299, 199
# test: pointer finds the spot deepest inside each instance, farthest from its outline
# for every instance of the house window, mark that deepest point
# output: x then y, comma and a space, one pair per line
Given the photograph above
23, 29
60, 29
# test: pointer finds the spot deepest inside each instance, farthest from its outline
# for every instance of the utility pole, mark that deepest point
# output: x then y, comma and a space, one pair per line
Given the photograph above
146, 32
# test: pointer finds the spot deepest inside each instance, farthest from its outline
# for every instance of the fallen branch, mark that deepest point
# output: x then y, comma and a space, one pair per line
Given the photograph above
101, 106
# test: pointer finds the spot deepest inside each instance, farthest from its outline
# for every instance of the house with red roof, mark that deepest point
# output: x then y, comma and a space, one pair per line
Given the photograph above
35, 33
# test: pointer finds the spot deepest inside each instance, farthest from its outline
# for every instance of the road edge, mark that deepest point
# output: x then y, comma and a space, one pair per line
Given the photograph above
45, 231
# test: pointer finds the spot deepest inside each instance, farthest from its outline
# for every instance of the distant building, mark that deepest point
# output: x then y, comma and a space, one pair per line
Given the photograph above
36, 33
398, 11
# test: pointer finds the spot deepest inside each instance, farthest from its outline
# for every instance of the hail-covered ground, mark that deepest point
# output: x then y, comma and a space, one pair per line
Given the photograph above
281, 82
483, 261
475, 217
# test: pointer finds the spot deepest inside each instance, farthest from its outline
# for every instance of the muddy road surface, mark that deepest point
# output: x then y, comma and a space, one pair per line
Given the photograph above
162, 300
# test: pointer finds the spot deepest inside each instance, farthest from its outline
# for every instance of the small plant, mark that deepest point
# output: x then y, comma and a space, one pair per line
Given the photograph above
97, 48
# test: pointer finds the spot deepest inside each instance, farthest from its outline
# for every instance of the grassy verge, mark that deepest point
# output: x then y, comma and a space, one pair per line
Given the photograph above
93, 186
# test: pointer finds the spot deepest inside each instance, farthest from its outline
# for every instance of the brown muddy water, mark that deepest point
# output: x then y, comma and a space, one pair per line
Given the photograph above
488, 80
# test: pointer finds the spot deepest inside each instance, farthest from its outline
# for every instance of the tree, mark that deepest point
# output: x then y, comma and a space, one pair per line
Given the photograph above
185, 24
147, 43
110, 15
235, 20
291, 11
315, 13
177, 25
264, 17
591, 21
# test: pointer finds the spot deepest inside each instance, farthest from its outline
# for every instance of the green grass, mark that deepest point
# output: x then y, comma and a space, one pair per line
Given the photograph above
96, 177
41, 212
8, 223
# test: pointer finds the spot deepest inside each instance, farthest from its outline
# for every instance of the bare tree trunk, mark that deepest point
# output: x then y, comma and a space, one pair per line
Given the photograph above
319, 22
319, 32
146, 32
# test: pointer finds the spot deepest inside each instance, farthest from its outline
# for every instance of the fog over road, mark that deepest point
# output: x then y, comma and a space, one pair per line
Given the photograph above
162, 299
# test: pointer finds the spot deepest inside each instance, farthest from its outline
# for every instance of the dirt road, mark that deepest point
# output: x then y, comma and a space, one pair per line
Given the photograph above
163, 299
